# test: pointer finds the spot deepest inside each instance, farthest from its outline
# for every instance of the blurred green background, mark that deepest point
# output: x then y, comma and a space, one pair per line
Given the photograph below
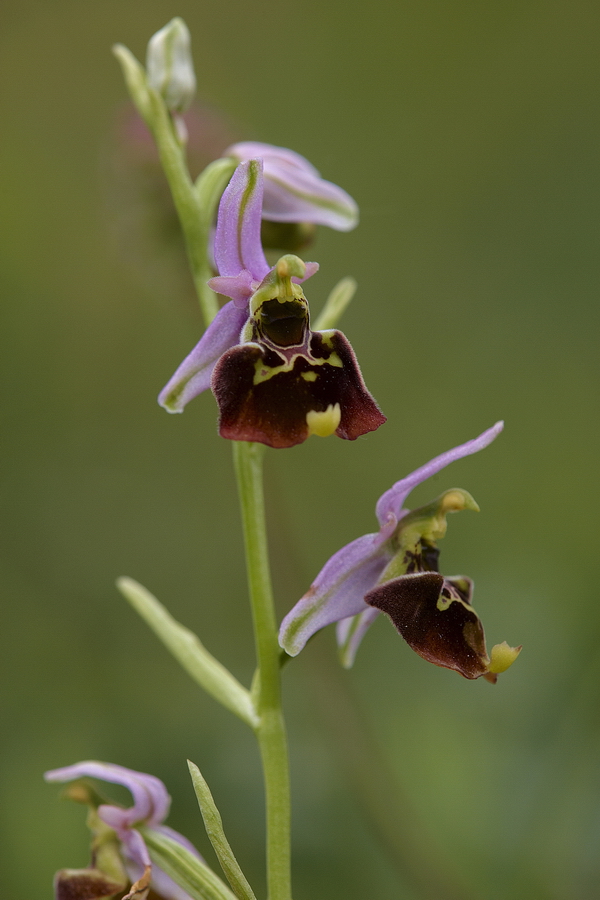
469, 134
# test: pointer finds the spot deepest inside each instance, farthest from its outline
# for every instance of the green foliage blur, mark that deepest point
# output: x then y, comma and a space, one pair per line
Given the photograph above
469, 134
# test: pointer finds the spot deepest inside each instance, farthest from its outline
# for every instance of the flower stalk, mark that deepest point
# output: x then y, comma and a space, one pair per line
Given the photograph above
193, 219
270, 731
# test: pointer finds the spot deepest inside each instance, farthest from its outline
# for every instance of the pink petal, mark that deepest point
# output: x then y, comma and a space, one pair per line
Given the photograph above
194, 374
150, 798
237, 238
337, 591
294, 190
252, 149
239, 287
390, 503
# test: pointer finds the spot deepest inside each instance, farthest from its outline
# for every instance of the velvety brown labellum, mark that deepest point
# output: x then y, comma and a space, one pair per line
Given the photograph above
451, 636
84, 884
271, 407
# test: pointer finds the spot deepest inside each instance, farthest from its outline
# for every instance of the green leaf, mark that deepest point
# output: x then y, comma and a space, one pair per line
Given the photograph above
135, 79
187, 649
214, 830
336, 304
190, 872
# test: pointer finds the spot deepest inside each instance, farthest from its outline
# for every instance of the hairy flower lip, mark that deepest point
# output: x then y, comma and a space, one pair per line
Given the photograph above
444, 630
274, 409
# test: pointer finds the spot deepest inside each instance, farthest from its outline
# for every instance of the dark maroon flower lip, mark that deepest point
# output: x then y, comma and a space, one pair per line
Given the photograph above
85, 884
435, 618
264, 397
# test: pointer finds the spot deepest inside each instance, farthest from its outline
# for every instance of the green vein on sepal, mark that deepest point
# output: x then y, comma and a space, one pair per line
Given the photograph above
190, 872
336, 304
214, 830
187, 649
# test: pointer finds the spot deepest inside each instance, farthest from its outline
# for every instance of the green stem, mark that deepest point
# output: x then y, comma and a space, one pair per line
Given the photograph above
271, 728
190, 213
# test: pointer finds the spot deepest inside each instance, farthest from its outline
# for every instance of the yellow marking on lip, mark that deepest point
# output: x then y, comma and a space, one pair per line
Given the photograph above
309, 376
324, 423
263, 373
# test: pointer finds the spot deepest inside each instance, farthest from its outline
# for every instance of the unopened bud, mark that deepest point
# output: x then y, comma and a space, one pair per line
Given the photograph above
169, 65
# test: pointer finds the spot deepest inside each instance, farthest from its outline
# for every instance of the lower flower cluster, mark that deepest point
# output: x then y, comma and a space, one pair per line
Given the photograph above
120, 856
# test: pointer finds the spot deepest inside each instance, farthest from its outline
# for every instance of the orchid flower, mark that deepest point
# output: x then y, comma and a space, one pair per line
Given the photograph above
395, 571
294, 190
150, 807
275, 380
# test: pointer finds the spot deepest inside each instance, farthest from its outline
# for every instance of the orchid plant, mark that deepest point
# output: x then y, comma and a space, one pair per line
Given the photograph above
276, 381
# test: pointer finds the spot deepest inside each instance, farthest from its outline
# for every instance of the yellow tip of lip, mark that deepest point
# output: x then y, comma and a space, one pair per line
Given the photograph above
324, 423
502, 657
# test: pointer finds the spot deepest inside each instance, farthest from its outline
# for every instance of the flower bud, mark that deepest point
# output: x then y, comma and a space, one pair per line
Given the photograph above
169, 65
